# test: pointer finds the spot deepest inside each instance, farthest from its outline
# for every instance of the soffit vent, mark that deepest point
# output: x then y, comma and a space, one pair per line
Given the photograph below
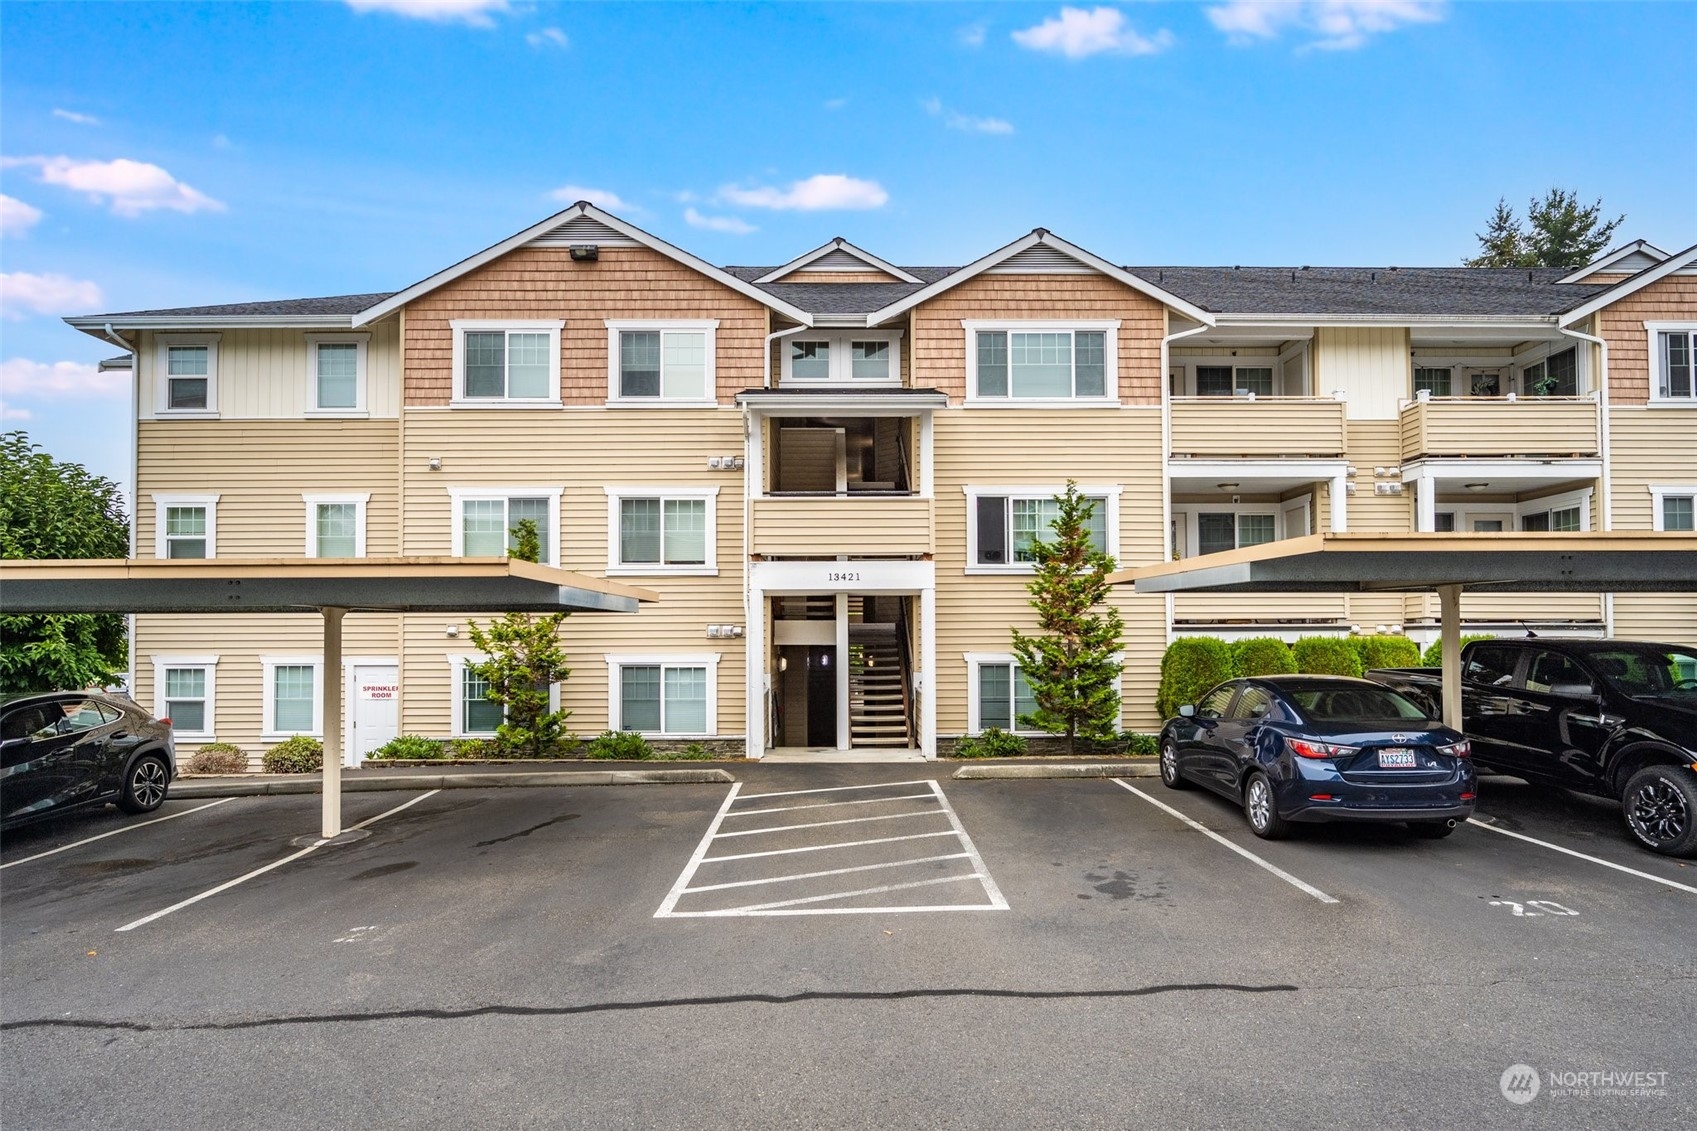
1041, 259
840, 260
583, 229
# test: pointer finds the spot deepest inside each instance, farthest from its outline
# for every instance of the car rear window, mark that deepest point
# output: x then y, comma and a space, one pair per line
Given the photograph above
1344, 704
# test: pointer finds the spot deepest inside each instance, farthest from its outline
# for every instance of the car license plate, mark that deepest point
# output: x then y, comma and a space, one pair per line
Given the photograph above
1396, 758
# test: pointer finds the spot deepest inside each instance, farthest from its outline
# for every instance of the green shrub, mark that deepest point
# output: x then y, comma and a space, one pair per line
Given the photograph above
1261, 655
217, 758
1141, 745
694, 752
1433, 656
619, 745
1326, 655
1387, 651
481, 748
1190, 666
993, 743
297, 755
410, 746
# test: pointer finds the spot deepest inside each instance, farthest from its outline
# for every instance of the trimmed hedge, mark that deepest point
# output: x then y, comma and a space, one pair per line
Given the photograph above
993, 743
1262, 655
217, 758
1191, 665
1326, 655
413, 747
297, 755
619, 745
1387, 651
1433, 657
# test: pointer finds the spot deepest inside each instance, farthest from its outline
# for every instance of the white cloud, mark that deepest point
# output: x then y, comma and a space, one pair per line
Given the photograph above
23, 294
972, 35
818, 193
21, 378
133, 187
731, 224
7, 412
601, 198
835, 103
477, 13
1334, 25
958, 121
73, 116
16, 217
548, 37
1077, 33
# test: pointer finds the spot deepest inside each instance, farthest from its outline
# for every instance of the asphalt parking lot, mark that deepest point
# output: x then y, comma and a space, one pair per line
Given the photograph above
840, 946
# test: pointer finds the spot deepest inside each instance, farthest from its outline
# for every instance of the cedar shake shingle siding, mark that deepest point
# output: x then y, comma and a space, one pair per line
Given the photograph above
1673, 299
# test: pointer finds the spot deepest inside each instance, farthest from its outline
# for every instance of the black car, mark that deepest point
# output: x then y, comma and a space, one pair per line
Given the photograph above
70, 749
1320, 748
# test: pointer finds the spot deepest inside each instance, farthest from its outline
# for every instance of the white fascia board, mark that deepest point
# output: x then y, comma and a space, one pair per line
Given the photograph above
1631, 285
1031, 239
838, 244
95, 324
1257, 468
582, 208
1602, 265
1532, 323
1517, 469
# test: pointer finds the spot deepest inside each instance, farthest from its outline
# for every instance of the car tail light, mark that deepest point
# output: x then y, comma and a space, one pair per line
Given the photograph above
1468, 796
1306, 748
166, 721
1320, 797
1462, 749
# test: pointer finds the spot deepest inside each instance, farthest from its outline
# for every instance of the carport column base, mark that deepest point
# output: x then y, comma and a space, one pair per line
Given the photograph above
1449, 609
330, 689
347, 837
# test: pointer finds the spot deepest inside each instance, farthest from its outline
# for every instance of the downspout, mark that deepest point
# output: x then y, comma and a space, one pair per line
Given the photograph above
766, 353
1607, 510
135, 472
1166, 456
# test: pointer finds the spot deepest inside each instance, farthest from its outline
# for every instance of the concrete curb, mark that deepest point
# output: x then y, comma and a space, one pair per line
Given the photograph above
237, 787
1101, 770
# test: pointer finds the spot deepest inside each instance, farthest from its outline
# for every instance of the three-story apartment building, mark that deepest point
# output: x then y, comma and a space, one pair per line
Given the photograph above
832, 470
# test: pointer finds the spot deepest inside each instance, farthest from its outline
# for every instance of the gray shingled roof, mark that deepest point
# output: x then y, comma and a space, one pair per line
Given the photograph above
1455, 291
334, 304
840, 298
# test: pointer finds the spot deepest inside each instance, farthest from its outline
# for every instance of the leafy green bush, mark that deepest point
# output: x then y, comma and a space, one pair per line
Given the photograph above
1433, 656
694, 752
619, 745
410, 746
217, 758
1141, 745
1261, 655
1326, 655
1190, 666
297, 755
471, 748
1387, 651
993, 743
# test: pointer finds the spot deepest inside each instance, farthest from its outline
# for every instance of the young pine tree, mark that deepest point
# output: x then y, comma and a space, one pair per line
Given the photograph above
1069, 663
524, 659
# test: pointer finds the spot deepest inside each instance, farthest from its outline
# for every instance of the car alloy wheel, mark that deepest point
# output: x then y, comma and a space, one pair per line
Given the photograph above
1260, 804
1658, 811
1169, 767
145, 786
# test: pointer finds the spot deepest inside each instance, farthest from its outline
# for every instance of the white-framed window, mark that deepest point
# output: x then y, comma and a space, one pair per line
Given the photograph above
1212, 528
506, 363
1235, 380
335, 525
335, 374
1025, 363
185, 691
997, 693
1554, 376
656, 530
1673, 363
1003, 522
185, 526
661, 362
666, 695
1472, 520
1569, 512
1674, 506
187, 374
1434, 380
292, 704
858, 357
485, 519
474, 716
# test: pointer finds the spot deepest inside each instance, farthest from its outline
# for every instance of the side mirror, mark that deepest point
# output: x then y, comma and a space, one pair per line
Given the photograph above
1573, 690
1188, 711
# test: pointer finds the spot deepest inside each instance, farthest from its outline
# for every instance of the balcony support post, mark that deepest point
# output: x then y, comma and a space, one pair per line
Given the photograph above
1340, 504
1425, 502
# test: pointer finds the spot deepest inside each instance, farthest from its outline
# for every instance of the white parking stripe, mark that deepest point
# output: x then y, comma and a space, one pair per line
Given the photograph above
1582, 856
758, 907
837, 789
823, 847
831, 804
677, 891
990, 888
226, 886
828, 824
829, 872
1243, 852
114, 832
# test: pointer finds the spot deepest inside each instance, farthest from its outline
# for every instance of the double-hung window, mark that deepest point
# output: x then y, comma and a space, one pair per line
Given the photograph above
849, 357
1004, 524
1563, 512
663, 695
486, 520
1434, 381
187, 374
1234, 380
506, 363
1555, 376
185, 526
1673, 363
1012, 362
183, 691
1000, 694
335, 366
661, 530
660, 362
291, 704
335, 525
474, 713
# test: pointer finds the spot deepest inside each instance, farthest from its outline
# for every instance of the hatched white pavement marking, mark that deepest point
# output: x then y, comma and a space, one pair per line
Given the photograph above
1582, 856
114, 832
805, 905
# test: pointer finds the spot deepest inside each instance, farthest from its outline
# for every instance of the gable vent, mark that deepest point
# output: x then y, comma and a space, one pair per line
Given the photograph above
840, 260
1041, 259
583, 229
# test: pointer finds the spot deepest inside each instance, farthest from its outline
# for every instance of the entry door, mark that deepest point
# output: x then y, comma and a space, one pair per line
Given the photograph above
376, 692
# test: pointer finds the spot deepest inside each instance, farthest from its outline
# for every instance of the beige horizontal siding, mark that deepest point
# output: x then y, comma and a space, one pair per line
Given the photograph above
1256, 608
264, 374
1648, 446
826, 527
1475, 426
1666, 617
1266, 426
1376, 443
1511, 607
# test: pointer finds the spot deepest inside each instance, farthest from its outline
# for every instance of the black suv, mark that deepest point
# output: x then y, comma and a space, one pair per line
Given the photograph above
69, 749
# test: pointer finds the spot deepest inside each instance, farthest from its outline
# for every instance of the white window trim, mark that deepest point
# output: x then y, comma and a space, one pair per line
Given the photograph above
1111, 491
162, 374
1189, 527
457, 662
207, 662
616, 326
1653, 332
1111, 378
459, 495
974, 693
551, 327
313, 341
617, 661
268, 696
160, 502
312, 503
1274, 362
841, 362
615, 567
1658, 492
1465, 514
1552, 503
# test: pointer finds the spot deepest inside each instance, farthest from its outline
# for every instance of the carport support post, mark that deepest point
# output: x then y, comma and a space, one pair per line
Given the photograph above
1449, 615
330, 687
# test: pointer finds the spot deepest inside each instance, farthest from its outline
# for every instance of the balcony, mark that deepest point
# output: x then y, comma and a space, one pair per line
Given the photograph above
1557, 427
1248, 427
853, 524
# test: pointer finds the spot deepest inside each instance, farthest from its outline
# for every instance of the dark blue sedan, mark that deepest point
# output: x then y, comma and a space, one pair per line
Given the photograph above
1321, 748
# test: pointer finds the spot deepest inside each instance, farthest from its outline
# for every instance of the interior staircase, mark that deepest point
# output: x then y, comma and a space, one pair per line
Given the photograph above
878, 703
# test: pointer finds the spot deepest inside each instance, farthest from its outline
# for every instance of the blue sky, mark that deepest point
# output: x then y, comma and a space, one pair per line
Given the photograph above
161, 154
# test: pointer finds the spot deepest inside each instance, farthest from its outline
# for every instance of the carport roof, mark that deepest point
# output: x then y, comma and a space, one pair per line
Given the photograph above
1363, 562
279, 585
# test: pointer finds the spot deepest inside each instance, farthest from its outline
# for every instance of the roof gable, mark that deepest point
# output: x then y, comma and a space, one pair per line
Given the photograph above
838, 255
1673, 264
1628, 259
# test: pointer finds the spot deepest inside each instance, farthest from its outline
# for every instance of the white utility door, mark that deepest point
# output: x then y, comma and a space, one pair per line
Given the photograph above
376, 692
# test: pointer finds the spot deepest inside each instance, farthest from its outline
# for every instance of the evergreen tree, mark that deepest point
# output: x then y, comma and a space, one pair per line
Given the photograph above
524, 659
1502, 244
1069, 664
1559, 232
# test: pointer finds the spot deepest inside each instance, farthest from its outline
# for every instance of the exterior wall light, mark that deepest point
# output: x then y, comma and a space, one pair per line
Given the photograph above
585, 252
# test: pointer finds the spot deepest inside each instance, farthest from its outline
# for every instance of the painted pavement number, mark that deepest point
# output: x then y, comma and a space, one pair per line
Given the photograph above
851, 850
1533, 908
